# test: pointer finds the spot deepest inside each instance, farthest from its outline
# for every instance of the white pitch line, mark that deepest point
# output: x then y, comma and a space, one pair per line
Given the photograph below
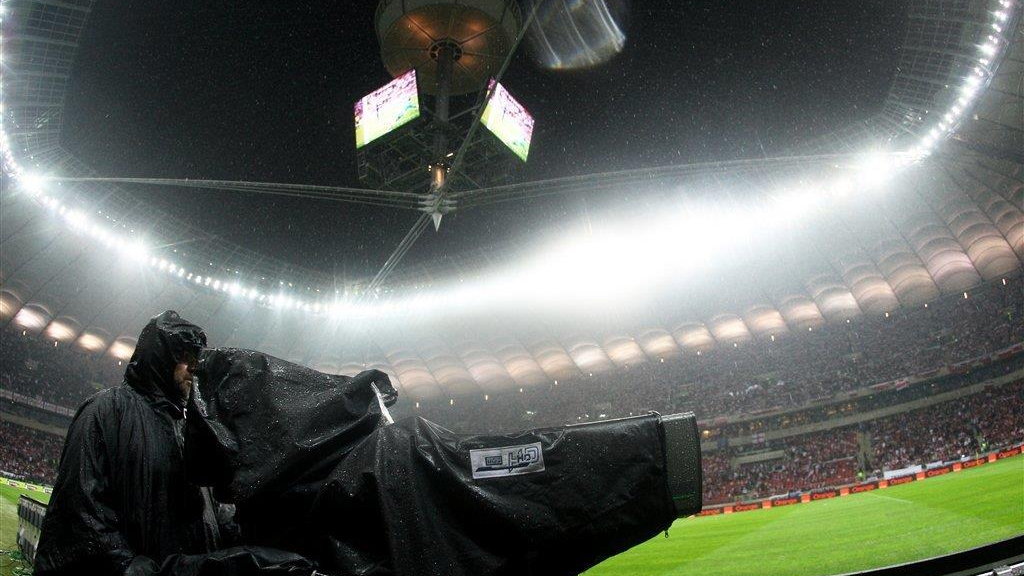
873, 493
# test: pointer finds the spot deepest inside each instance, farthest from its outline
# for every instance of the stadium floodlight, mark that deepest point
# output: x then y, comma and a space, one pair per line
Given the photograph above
32, 183
135, 250
77, 219
876, 167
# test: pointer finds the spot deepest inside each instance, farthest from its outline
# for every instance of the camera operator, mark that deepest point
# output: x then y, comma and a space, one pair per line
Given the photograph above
122, 503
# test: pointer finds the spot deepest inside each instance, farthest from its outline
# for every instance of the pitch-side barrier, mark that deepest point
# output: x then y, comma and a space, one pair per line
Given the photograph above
847, 489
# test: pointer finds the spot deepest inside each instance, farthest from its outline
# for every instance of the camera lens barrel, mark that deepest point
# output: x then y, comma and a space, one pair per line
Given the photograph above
682, 455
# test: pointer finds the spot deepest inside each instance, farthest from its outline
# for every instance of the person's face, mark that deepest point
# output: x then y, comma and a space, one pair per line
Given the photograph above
183, 375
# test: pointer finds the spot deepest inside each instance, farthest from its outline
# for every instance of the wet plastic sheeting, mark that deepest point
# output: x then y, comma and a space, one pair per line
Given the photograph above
266, 425
313, 469
406, 501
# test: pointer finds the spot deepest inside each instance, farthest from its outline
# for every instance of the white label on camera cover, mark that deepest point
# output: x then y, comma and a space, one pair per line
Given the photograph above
506, 461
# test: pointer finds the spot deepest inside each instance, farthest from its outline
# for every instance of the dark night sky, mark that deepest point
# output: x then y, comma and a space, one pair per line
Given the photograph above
263, 90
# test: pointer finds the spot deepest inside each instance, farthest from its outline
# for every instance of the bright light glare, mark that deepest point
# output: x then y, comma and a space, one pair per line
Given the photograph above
606, 265
615, 265
876, 168
623, 264
32, 183
77, 219
135, 250
600, 267
790, 205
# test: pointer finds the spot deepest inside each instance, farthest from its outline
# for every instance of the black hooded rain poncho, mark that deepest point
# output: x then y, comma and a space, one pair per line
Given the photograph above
121, 503
313, 466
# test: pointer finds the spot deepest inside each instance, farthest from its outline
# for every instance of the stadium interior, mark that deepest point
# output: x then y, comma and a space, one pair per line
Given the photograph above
843, 313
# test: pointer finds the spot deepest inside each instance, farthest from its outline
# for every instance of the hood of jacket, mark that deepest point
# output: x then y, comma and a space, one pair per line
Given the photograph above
165, 341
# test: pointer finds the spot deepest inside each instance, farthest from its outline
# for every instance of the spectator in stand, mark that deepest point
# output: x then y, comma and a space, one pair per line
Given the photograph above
944, 432
950, 430
47, 371
760, 375
990, 419
789, 373
28, 455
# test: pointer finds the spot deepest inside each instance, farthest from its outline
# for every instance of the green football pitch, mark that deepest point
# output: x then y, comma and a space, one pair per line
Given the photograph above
856, 532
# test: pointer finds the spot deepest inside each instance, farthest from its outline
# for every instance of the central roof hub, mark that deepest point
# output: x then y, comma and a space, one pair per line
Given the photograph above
455, 47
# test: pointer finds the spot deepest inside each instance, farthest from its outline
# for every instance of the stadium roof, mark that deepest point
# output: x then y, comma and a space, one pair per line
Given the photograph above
785, 250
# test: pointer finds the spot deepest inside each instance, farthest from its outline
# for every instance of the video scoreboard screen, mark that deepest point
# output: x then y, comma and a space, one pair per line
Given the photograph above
508, 120
389, 107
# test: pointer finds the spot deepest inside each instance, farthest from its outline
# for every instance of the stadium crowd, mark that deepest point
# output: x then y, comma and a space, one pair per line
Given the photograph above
947, 431
950, 430
750, 425
762, 375
33, 366
755, 376
28, 455
807, 462
798, 370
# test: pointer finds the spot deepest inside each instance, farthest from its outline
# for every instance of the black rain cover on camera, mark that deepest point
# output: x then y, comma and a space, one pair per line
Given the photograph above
260, 426
418, 500
313, 469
